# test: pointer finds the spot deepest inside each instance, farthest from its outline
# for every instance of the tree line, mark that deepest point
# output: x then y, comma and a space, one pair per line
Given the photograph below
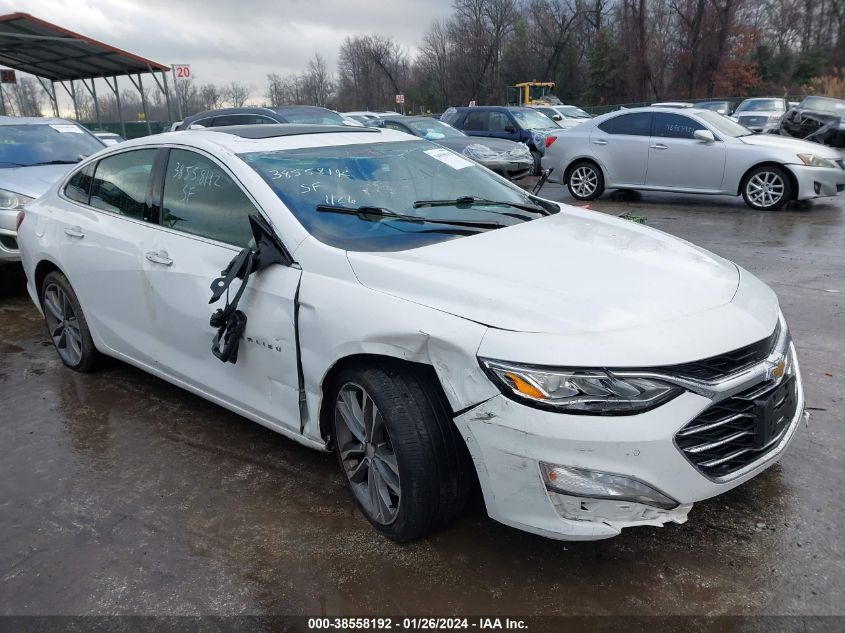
596, 51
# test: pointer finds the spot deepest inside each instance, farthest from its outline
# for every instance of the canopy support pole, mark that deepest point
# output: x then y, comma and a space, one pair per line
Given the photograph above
140, 88
92, 90
163, 89
116, 92
51, 94
72, 94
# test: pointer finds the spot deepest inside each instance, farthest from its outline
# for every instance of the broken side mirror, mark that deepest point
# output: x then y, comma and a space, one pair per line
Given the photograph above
229, 321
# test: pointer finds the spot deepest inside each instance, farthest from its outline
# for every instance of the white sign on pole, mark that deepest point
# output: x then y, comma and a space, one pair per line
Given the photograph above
400, 98
472, 104
181, 71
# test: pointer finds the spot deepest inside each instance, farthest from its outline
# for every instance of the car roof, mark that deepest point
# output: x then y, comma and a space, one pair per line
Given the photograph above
33, 120
256, 110
267, 130
658, 110
239, 139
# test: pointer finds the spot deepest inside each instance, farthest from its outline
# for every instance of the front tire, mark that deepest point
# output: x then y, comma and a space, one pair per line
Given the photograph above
767, 188
585, 181
400, 454
66, 324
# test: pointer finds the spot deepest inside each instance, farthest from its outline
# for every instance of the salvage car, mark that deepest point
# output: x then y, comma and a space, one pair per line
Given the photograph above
761, 114
722, 107
511, 160
816, 119
691, 151
566, 116
518, 124
34, 153
263, 116
364, 306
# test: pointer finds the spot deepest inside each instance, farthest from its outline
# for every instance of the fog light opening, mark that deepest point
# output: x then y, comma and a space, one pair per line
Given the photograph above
596, 484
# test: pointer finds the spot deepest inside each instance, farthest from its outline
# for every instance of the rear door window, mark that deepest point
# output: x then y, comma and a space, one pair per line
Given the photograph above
78, 187
634, 124
121, 183
478, 121
201, 199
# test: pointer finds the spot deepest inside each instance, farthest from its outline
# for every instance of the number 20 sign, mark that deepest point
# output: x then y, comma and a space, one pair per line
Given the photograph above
182, 71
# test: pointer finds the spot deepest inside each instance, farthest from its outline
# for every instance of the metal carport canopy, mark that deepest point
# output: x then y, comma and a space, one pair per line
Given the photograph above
49, 51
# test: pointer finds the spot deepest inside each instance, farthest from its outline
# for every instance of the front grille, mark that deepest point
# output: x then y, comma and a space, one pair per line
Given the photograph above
741, 429
753, 120
9, 242
721, 365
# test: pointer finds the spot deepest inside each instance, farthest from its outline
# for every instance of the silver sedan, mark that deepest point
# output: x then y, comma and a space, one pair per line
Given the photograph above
690, 151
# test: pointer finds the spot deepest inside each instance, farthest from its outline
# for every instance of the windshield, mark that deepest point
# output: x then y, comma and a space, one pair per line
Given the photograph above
723, 125
573, 113
318, 117
532, 119
824, 105
389, 176
761, 105
29, 145
434, 130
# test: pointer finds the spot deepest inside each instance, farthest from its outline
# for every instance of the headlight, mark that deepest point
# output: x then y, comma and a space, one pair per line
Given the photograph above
579, 391
12, 200
815, 161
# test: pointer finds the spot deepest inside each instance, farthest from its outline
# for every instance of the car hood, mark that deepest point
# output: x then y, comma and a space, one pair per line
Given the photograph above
458, 144
575, 271
32, 181
765, 113
789, 143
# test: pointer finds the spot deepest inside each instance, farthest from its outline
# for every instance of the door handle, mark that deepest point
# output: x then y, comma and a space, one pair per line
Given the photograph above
74, 231
599, 141
659, 146
158, 258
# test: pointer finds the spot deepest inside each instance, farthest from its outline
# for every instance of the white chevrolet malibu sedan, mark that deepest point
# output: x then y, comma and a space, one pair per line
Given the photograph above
432, 324
690, 150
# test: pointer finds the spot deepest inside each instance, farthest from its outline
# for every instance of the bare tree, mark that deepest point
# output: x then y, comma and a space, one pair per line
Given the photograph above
235, 94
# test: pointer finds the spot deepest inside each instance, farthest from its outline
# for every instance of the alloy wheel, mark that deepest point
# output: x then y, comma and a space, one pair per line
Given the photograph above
765, 189
584, 181
366, 451
63, 324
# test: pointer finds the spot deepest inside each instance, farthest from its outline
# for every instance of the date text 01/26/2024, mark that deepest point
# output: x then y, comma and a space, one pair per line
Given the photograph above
416, 624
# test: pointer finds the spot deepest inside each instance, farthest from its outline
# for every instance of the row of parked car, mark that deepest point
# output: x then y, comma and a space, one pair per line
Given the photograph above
707, 147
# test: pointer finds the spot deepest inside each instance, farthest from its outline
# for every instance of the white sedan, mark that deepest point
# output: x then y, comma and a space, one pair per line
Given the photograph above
690, 150
392, 301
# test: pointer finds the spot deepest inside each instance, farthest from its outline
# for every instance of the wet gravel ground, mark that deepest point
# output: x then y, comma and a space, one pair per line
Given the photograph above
121, 494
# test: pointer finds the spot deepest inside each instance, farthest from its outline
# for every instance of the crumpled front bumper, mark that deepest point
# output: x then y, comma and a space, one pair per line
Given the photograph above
508, 440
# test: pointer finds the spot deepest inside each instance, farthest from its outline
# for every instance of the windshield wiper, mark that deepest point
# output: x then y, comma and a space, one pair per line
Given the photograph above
52, 162
469, 201
368, 213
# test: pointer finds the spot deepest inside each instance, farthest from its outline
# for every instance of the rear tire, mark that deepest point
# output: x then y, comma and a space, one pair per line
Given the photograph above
767, 188
66, 324
585, 181
394, 423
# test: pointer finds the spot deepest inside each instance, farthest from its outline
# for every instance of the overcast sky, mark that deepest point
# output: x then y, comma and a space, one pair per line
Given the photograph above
242, 40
